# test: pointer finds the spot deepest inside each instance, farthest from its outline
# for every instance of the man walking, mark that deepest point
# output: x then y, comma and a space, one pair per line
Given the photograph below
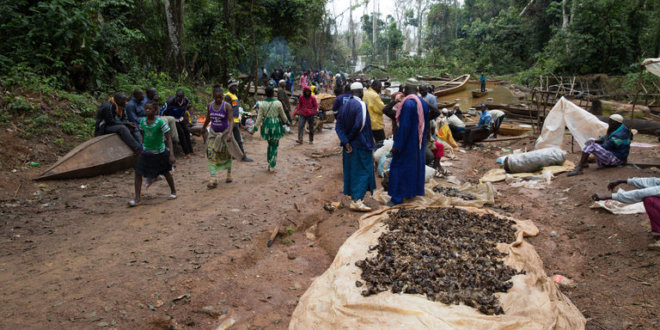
233, 90
354, 131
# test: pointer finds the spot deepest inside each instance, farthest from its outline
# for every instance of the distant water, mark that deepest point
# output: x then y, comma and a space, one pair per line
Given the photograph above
499, 93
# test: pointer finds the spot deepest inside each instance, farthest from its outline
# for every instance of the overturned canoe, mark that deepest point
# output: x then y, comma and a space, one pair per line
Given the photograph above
455, 85
103, 154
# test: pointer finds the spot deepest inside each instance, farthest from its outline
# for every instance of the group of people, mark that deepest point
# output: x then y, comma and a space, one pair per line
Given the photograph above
149, 129
360, 129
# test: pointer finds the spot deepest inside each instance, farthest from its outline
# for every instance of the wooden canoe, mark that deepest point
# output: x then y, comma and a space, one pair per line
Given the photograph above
103, 154
513, 130
455, 85
477, 94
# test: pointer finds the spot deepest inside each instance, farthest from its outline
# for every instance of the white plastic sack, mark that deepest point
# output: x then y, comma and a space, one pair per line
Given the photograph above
534, 160
429, 172
582, 124
387, 147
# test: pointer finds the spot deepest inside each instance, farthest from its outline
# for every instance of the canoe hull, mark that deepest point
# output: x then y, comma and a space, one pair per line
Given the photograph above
477, 94
512, 130
456, 85
104, 154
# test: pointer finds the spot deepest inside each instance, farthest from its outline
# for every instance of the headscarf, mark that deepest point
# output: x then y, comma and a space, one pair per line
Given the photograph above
420, 115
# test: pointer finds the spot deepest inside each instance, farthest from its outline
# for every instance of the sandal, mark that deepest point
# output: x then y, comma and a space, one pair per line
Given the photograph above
229, 180
212, 184
171, 196
132, 203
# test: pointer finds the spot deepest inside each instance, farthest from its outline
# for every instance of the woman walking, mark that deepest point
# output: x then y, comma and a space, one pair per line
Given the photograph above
219, 115
270, 119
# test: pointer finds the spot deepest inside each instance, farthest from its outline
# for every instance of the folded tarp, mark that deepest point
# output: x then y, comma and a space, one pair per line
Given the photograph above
652, 65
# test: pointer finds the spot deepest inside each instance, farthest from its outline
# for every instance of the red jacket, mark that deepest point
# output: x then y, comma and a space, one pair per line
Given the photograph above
306, 106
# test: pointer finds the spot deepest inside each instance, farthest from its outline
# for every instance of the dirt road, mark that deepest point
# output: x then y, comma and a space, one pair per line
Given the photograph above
74, 256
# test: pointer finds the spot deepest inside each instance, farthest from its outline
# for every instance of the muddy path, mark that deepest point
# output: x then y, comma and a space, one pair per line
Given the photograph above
74, 256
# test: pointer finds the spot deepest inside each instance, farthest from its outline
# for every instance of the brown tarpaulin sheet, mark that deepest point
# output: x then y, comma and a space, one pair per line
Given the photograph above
334, 302
483, 193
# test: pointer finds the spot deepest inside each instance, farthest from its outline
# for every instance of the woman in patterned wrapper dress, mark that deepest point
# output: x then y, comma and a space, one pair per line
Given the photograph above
219, 116
270, 119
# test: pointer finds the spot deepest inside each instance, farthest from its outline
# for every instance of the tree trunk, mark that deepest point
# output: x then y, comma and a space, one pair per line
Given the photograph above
174, 17
373, 30
419, 27
351, 31
224, 66
254, 50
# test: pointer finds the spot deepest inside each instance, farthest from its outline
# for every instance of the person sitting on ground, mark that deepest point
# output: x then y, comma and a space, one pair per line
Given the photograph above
375, 106
457, 111
648, 192
354, 131
176, 106
307, 109
111, 118
456, 125
135, 107
434, 150
498, 118
233, 91
610, 150
444, 132
157, 156
481, 131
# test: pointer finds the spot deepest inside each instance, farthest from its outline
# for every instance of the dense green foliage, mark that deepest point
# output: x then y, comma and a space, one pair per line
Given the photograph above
85, 44
542, 36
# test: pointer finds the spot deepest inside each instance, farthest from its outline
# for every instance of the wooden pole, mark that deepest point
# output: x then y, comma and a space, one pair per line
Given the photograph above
639, 83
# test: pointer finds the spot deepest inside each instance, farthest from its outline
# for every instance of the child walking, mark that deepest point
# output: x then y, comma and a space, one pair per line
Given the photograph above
157, 156
272, 116
220, 117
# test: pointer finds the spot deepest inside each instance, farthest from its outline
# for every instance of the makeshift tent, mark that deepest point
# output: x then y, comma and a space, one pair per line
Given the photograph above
652, 65
582, 124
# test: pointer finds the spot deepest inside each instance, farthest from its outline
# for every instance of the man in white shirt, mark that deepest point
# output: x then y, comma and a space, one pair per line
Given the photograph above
456, 125
498, 118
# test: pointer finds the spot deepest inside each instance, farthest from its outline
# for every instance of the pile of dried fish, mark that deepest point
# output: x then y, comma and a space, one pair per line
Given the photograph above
453, 192
447, 254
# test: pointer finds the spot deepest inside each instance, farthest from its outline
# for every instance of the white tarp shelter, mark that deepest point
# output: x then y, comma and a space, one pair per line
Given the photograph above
581, 123
652, 65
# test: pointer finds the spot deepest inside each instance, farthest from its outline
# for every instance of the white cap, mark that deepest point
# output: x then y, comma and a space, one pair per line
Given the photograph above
445, 111
356, 86
617, 118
